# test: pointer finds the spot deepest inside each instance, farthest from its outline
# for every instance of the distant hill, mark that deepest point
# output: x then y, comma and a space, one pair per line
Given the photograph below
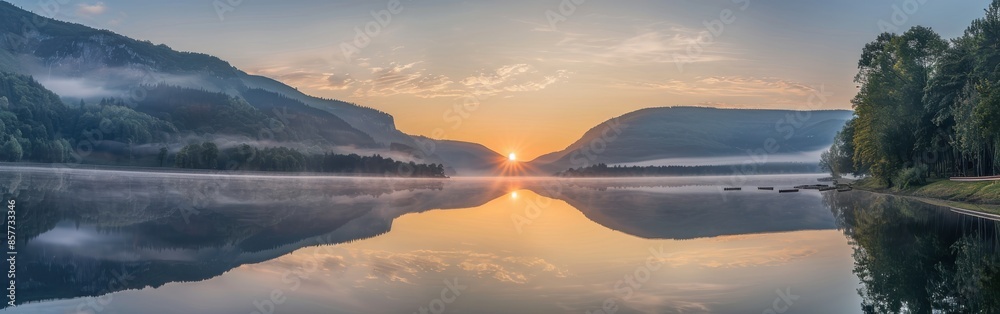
696, 132
468, 159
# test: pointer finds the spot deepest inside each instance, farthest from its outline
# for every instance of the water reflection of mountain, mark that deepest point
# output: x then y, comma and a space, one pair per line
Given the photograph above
913, 257
85, 229
686, 212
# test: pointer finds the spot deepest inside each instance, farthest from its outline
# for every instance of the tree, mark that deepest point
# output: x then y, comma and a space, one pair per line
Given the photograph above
12, 150
838, 159
209, 155
893, 73
162, 156
181, 159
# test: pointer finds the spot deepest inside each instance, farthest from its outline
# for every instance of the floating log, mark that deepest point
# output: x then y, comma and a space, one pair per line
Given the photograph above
827, 189
845, 190
788, 191
812, 186
733, 189
768, 188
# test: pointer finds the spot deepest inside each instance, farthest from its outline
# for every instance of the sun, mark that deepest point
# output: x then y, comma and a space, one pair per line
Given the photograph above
512, 157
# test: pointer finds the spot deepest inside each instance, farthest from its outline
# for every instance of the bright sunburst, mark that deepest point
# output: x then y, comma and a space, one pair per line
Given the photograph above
512, 157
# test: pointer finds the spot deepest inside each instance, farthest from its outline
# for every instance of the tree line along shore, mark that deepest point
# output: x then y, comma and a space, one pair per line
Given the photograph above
927, 109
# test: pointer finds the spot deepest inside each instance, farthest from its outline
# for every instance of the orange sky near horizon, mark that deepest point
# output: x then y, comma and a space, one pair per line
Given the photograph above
534, 124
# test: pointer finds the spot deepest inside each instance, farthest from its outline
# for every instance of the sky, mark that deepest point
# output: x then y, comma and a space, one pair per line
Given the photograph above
531, 76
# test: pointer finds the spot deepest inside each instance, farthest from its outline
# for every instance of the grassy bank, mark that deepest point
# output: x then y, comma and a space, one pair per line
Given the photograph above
977, 196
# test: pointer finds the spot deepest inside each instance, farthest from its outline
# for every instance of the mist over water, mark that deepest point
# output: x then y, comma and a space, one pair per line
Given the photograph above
803, 157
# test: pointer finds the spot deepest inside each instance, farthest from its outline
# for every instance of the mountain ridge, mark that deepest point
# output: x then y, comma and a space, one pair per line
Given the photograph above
689, 132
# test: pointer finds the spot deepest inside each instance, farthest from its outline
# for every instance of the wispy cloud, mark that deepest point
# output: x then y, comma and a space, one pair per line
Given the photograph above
412, 80
511, 78
334, 81
90, 10
405, 79
650, 44
338, 82
727, 86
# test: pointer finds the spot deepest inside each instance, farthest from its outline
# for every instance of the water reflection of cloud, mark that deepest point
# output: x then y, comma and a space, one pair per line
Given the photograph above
400, 267
410, 267
661, 303
741, 257
737, 237
655, 297
507, 269
65, 236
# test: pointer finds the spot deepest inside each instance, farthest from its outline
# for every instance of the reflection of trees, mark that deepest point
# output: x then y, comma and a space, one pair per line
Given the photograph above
976, 276
226, 207
913, 257
164, 228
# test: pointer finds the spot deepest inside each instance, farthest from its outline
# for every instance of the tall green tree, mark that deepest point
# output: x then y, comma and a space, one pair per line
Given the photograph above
894, 71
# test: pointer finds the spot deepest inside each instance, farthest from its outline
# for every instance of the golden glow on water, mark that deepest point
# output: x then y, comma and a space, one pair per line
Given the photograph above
525, 239
526, 223
522, 252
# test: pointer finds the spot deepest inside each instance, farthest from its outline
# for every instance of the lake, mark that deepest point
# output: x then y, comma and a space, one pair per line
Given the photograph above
124, 242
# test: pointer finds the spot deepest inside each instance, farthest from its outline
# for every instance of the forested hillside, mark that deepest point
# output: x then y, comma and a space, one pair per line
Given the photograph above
36, 126
31, 121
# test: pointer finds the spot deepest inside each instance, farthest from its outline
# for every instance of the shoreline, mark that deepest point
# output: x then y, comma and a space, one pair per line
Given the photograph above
980, 197
209, 172
198, 172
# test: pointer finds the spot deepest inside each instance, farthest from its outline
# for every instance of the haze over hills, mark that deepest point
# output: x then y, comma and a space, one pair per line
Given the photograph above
80, 63
665, 136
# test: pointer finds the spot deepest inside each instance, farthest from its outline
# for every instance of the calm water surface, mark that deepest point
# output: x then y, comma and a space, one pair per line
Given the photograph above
120, 242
